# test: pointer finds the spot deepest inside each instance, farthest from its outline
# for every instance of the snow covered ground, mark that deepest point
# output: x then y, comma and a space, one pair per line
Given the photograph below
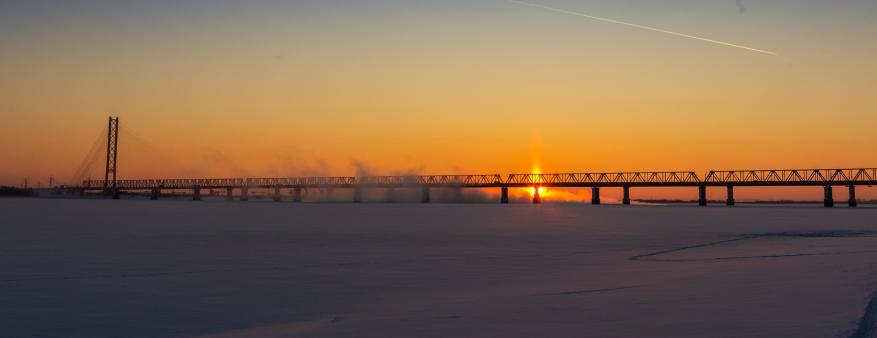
134, 268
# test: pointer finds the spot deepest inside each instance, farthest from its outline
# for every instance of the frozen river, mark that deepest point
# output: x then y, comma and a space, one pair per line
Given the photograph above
100, 268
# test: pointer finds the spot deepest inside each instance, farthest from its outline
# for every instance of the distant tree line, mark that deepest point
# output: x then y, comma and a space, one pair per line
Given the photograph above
16, 192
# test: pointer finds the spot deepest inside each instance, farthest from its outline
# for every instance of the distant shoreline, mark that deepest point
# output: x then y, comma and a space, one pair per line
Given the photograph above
747, 202
16, 192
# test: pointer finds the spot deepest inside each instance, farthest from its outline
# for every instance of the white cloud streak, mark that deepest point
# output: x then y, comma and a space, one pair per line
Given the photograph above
727, 44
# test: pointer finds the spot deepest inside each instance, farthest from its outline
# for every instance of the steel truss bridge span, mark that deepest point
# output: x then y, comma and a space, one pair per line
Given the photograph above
799, 177
788, 177
664, 179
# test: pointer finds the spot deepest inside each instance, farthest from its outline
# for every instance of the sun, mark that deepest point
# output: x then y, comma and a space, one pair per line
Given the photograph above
534, 189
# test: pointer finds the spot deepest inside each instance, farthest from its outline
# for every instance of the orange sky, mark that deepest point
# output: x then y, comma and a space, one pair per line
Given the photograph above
458, 87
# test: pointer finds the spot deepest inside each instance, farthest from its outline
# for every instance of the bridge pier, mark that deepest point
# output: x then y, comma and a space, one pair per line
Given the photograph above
196, 193
117, 193
595, 195
391, 194
458, 195
244, 196
731, 201
537, 196
701, 200
156, 192
626, 199
296, 195
504, 199
229, 194
425, 195
852, 201
357, 195
277, 193
829, 197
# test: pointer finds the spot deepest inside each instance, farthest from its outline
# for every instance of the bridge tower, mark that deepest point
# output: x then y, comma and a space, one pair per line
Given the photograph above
112, 157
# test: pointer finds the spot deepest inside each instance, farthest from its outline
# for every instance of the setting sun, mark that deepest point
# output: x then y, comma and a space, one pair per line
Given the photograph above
534, 189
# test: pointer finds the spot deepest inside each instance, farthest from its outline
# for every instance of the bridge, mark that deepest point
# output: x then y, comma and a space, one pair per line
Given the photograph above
825, 178
828, 179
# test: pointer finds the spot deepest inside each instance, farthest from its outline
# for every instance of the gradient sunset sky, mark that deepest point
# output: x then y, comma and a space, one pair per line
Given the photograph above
281, 88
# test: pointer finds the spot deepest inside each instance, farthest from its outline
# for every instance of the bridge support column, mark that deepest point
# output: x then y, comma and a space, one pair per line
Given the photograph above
853, 202
357, 195
731, 201
117, 193
425, 195
244, 194
277, 193
229, 194
504, 199
701, 199
537, 195
595, 196
458, 195
626, 199
196, 193
391, 192
156, 192
296, 195
829, 197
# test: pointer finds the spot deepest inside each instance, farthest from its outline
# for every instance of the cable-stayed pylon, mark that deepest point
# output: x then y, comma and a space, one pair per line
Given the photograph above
112, 156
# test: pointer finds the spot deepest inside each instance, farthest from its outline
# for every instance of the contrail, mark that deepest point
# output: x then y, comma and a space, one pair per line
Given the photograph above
642, 27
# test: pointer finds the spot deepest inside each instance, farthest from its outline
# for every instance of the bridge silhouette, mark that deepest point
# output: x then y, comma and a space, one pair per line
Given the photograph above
828, 179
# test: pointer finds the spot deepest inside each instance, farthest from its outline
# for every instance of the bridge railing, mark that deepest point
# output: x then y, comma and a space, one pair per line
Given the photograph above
168, 183
204, 183
430, 180
606, 178
793, 176
301, 181
461, 180
389, 180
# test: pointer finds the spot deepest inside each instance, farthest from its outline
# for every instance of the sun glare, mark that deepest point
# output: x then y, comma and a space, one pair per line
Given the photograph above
532, 190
